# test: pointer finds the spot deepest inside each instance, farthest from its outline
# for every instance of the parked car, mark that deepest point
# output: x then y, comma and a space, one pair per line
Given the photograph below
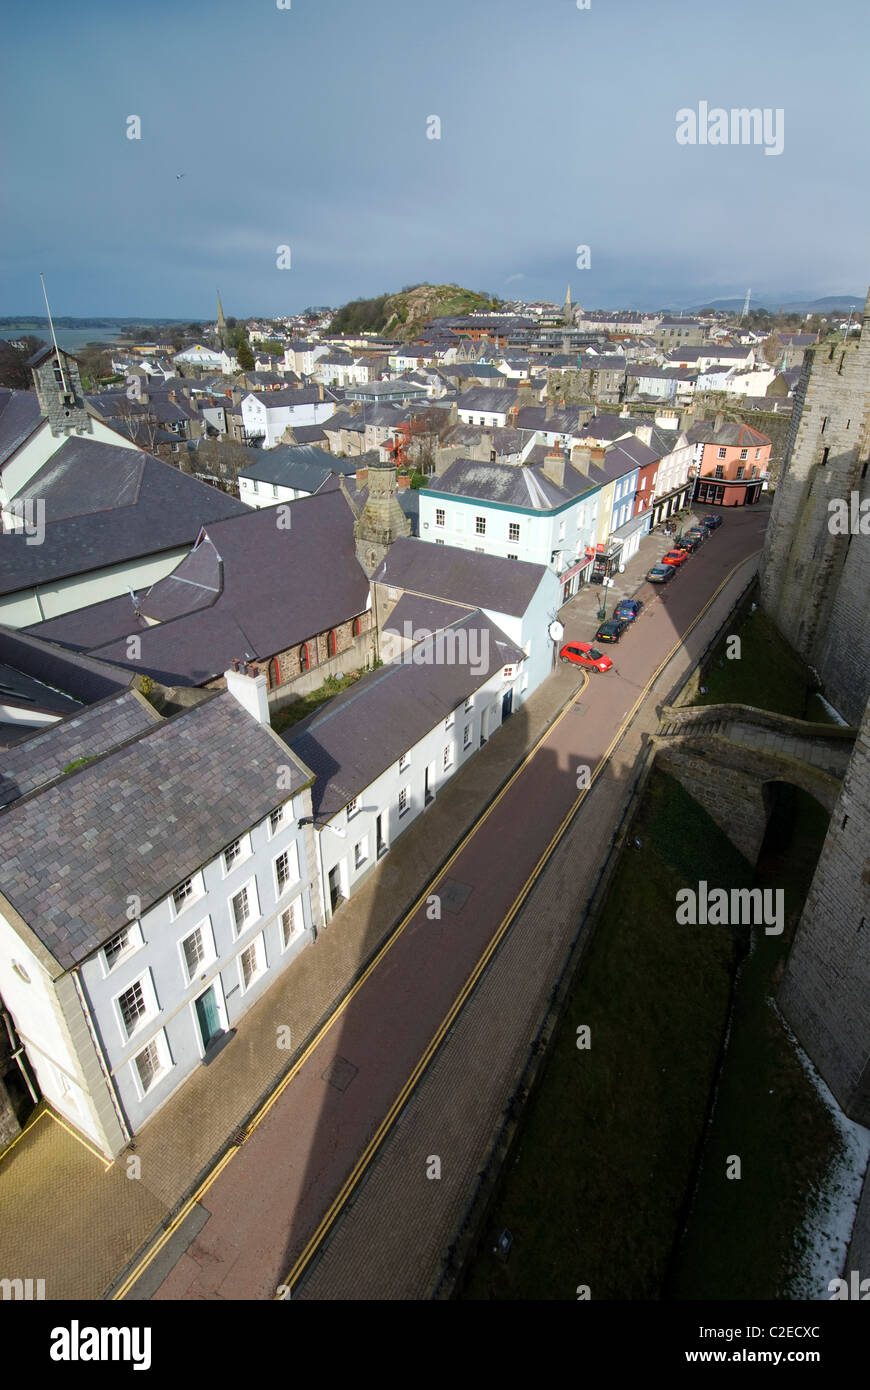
611, 631
660, 574
628, 609
687, 542
700, 532
675, 557
585, 655
711, 522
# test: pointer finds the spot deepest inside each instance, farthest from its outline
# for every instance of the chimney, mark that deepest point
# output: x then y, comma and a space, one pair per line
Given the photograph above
644, 434
718, 422
320, 389
248, 685
548, 409
404, 481
553, 466
362, 478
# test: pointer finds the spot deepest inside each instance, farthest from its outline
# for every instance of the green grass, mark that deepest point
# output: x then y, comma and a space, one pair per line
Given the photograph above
768, 674
743, 1238
292, 714
594, 1192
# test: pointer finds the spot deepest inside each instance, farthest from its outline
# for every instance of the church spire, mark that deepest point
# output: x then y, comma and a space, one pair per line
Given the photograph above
221, 323
568, 308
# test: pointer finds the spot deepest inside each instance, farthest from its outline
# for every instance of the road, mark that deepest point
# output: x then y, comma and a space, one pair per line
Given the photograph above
265, 1212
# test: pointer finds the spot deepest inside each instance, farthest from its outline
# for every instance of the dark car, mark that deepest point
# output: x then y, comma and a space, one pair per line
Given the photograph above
628, 609
700, 532
611, 631
660, 574
687, 542
711, 522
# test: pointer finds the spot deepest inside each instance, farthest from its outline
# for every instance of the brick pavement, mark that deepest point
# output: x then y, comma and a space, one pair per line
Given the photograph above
76, 1225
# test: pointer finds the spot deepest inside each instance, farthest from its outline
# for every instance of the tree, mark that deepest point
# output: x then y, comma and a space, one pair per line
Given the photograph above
14, 372
246, 357
272, 347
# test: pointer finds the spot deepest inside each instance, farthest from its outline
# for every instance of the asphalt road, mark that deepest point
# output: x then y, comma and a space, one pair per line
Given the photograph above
266, 1207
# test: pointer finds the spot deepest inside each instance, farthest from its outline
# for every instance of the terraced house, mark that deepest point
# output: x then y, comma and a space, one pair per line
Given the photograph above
150, 891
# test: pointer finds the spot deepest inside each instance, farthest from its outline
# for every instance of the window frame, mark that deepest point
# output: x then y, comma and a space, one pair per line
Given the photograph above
291, 849
249, 887
258, 946
149, 998
204, 927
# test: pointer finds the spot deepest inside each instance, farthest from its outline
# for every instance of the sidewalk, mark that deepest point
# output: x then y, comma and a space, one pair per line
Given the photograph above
71, 1222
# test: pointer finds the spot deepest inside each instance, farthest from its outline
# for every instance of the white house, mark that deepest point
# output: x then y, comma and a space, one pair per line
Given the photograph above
200, 356
484, 405
267, 414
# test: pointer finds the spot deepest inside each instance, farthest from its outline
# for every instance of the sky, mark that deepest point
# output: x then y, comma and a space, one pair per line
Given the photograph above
306, 127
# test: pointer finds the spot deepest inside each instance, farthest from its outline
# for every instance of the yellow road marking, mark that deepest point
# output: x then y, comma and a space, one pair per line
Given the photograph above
48, 1114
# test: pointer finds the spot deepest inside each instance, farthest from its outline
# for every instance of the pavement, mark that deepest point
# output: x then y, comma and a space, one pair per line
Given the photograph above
416, 1062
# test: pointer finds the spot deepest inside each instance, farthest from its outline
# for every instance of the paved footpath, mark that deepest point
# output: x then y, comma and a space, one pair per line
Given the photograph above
263, 1214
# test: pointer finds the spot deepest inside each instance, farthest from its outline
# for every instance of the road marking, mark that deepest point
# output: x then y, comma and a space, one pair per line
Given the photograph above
410, 1084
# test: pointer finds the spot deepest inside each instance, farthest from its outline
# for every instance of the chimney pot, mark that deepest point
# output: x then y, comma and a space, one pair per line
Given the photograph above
235, 663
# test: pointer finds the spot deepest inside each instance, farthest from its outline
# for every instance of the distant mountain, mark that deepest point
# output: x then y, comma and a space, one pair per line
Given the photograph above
831, 304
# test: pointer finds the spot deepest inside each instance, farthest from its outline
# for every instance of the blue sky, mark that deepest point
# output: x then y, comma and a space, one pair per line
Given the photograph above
307, 127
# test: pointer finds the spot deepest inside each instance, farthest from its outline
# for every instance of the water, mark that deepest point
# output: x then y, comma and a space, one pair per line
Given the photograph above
71, 339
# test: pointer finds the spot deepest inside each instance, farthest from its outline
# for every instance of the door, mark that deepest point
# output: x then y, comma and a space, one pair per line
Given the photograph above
335, 886
484, 725
208, 1017
429, 788
507, 704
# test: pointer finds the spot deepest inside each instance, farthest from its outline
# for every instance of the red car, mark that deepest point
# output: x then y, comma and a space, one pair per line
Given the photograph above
583, 654
675, 557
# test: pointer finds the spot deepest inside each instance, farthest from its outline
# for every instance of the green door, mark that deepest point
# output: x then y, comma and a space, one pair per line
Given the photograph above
207, 1014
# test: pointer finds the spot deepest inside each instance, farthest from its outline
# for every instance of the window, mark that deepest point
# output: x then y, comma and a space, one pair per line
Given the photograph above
360, 852
331, 643
758, 453
448, 722
469, 703
276, 820
740, 470
151, 1063
193, 950
439, 542
404, 762
304, 658
721, 454
480, 525
134, 1006
292, 923
242, 909
447, 760
252, 963
440, 516
478, 550
744, 453
466, 736
755, 470
352, 807
356, 628
287, 868
513, 531
185, 893
720, 471
232, 854
513, 557
403, 800
119, 945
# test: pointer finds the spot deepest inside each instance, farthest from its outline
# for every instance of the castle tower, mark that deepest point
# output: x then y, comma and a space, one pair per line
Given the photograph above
59, 389
826, 986
222, 330
815, 579
382, 520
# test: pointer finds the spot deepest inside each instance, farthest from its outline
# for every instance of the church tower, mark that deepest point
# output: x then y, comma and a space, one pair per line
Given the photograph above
382, 520
568, 308
222, 330
59, 389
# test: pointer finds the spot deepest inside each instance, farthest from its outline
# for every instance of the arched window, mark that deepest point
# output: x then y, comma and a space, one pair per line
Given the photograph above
331, 644
304, 658
276, 673
357, 627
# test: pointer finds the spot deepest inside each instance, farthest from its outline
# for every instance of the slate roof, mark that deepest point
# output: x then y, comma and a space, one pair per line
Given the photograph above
137, 822
307, 434
105, 504
534, 417
487, 398
19, 417
730, 432
81, 677
461, 576
362, 731
301, 466
525, 486
42, 756
86, 628
250, 588
23, 692
291, 395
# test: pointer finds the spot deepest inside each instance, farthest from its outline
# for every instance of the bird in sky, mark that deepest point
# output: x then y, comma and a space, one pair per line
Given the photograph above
179, 176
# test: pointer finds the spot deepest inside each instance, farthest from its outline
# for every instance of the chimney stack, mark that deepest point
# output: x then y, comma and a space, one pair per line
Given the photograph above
404, 482
248, 685
718, 422
362, 477
553, 466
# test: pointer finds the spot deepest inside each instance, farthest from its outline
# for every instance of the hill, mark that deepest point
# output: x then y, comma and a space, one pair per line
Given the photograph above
403, 315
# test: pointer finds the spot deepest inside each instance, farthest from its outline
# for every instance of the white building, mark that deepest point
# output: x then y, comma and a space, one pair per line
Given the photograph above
267, 414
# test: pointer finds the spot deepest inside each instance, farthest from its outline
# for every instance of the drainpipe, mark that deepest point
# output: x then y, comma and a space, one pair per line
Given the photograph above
110, 1084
